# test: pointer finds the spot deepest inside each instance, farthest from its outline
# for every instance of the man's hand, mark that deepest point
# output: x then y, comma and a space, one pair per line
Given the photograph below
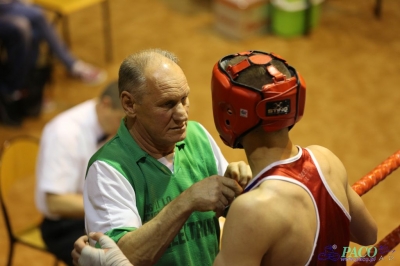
239, 171
213, 193
109, 254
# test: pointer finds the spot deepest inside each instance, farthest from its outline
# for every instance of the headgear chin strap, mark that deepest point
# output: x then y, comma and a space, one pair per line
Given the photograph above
238, 108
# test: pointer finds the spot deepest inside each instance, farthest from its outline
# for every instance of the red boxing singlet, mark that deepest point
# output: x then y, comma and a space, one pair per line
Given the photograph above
333, 220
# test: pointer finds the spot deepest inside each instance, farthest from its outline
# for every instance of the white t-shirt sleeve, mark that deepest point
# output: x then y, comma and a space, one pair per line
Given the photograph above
220, 160
60, 163
109, 200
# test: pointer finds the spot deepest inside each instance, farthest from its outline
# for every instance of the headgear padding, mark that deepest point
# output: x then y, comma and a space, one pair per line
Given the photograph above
238, 108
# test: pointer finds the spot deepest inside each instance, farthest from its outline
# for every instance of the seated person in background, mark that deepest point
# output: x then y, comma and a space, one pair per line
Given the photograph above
158, 187
42, 30
15, 38
67, 143
299, 199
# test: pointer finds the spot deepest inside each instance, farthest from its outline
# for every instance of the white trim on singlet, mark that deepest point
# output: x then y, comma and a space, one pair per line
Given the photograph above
294, 181
328, 188
285, 161
254, 184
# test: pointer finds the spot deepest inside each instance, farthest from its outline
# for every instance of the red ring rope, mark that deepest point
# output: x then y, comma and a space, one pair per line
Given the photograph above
385, 246
379, 173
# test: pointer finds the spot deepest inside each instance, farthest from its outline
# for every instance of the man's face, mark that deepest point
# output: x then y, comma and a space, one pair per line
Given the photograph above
162, 113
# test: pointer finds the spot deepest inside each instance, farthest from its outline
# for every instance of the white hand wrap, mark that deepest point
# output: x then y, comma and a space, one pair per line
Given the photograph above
98, 257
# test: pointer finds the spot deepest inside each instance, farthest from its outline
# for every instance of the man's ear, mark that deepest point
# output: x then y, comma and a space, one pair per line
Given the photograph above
128, 103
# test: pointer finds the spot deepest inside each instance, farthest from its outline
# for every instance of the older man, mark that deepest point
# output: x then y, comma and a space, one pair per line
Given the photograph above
159, 185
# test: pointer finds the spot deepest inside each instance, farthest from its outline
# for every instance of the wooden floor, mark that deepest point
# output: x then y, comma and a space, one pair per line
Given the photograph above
350, 63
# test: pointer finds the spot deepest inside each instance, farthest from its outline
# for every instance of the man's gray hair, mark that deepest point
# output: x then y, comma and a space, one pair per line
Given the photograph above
132, 70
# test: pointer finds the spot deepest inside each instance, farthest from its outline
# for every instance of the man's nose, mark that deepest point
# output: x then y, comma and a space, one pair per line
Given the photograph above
181, 112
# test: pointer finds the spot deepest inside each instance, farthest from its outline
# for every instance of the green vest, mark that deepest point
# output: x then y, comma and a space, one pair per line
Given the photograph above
155, 186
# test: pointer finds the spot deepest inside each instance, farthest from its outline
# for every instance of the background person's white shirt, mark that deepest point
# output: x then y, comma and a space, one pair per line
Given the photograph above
68, 141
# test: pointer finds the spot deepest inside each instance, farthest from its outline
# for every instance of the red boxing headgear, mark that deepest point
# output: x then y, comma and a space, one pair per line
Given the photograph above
238, 108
